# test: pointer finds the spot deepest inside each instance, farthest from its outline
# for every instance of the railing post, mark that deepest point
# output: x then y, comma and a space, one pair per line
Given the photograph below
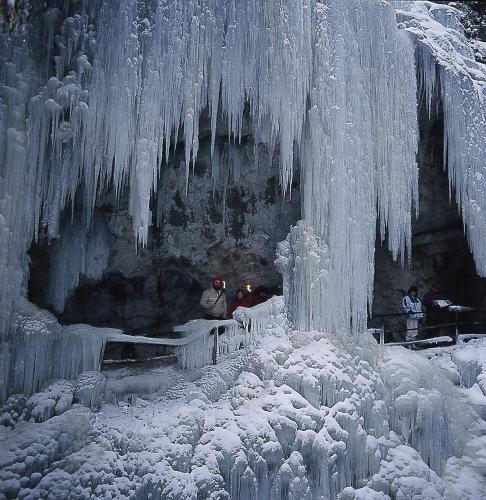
215, 345
457, 327
102, 355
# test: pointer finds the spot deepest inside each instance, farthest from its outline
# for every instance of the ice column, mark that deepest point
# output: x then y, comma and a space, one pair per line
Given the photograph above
357, 160
303, 260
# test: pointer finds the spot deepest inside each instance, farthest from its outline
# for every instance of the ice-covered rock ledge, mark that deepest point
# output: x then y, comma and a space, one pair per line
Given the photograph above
40, 349
295, 415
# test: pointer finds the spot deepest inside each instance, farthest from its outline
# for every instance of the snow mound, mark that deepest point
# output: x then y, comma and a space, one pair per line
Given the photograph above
294, 415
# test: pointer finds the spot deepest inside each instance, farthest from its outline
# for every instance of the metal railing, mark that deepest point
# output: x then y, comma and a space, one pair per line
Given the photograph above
456, 325
194, 348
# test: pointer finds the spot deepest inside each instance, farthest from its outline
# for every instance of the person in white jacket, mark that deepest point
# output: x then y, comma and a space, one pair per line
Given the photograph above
213, 300
413, 307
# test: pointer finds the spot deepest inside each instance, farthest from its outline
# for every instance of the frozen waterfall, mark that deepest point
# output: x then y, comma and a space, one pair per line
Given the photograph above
450, 73
100, 95
126, 80
357, 160
97, 96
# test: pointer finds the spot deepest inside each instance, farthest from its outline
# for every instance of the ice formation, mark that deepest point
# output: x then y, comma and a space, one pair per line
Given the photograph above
450, 73
81, 251
321, 85
358, 153
99, 98
124, 81
40, 349
294, 415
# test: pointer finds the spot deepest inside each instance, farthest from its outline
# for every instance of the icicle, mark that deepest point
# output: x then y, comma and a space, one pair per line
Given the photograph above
77, 253
443, 50
357, 153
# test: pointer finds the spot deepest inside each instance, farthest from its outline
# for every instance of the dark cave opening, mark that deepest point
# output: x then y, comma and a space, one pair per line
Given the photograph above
440, 251
229, 230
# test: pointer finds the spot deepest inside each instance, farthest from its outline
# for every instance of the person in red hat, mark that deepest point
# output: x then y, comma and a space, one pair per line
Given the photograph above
213, 300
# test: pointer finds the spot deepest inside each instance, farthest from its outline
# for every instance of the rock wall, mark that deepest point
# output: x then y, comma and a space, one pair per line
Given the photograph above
440, 252
228, 225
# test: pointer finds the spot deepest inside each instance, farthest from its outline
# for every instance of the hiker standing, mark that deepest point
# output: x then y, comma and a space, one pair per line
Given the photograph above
413, 307
436, 305
213, 300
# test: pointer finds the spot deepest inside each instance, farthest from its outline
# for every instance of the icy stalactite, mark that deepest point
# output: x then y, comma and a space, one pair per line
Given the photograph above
79, 252
124, 93
450, 73
358, 161
38, 122
16, 220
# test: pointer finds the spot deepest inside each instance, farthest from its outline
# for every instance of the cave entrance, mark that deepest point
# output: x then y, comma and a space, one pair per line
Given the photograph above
228, 227
440, 252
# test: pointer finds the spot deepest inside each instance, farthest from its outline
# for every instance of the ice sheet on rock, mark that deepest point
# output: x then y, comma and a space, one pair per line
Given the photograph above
90, 388
80, 252
428, 413
257, 319
54, 400
471, 362
364, 493
198, 347
26, 454
305, 415
464, 476
43, 350
403, 474
450, 73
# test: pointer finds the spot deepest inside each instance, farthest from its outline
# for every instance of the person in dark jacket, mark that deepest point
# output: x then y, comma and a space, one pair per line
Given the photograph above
240, 301
435, 314
259, 296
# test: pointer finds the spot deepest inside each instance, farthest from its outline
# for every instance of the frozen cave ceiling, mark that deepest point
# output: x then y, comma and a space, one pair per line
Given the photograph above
232, 229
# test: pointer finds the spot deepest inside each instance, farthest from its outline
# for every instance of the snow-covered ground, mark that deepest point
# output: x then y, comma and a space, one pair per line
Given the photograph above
294, 415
